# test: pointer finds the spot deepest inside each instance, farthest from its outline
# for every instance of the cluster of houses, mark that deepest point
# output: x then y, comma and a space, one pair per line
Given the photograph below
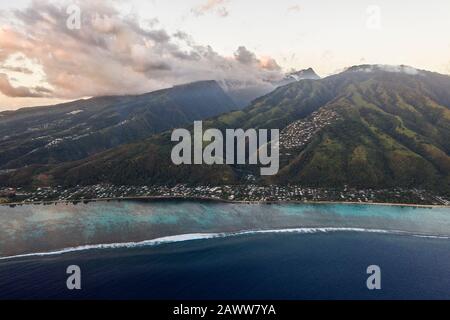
245, 193
300, 132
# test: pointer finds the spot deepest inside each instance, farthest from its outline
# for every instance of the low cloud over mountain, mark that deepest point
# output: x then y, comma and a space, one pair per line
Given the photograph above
113, 54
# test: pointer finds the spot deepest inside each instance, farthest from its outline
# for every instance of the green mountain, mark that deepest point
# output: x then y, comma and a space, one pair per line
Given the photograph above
75, 130
369, 126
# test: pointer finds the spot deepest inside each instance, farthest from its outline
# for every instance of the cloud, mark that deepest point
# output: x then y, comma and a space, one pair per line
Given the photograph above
294, 8
17, 69
222, 12
8, 90
245, 56
386, 68
401, 68
248, 58
217, 6
111, 54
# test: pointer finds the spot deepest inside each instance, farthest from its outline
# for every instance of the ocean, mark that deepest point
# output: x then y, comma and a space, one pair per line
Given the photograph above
204, 250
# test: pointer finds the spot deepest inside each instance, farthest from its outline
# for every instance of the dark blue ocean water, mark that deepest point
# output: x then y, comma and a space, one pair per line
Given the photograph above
255, 266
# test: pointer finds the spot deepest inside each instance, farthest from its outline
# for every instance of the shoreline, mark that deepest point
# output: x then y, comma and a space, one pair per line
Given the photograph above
210, 199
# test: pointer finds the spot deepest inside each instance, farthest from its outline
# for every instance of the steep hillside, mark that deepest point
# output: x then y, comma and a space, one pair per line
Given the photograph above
72, 131
370, 126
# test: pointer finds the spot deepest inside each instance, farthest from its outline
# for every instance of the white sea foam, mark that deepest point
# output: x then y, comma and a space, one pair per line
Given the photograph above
430, 236
204, 236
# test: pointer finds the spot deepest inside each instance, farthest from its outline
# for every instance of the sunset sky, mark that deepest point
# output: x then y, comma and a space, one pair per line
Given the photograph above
128, 47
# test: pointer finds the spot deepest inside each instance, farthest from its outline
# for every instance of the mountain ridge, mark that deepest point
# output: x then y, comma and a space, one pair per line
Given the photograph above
387, 129
73, 130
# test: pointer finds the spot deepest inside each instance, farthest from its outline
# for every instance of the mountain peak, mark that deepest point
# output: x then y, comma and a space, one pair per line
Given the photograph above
383, 68
303, 74
294, 76
198, 84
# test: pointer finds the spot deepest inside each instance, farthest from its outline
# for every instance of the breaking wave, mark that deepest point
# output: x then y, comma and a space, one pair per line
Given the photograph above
204, 236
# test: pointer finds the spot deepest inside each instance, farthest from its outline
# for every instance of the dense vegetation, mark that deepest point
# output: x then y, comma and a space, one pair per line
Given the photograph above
75, 130
393, 130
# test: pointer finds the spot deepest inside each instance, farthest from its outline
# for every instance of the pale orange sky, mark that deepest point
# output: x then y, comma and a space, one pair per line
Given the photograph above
323, 34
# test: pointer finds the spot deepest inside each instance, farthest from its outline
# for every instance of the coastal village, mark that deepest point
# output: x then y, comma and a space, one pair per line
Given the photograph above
233, 193
295, 135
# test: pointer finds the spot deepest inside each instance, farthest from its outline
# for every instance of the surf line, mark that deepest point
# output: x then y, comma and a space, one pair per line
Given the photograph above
206, 236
